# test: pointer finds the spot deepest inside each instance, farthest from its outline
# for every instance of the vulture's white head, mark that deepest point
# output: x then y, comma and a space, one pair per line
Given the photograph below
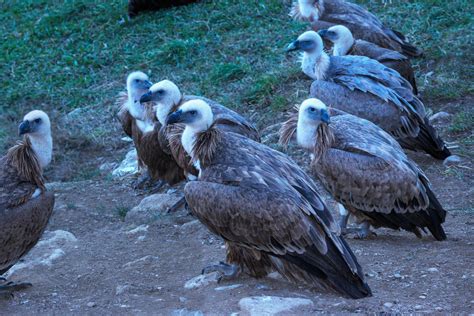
196, 114
312, 112
340, 36
166, 95
310, 10
137, 85
37, 126
309, 42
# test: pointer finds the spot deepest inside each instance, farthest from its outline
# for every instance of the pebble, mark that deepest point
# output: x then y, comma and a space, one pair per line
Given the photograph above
433, 270
91, 304
388, 305
452, 160
202, 280
418, 307
422, 296
228, 287
271, 305
440, 116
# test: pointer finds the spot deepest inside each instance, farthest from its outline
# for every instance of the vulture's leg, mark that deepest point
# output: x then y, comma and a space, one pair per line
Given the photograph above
157, 186
362, 232
181, 203
344, 218
142, 181
7, 289
226, 271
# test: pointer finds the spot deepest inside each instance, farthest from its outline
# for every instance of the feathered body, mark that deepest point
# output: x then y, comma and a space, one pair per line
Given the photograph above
266, 209
363, 24
137, 6
366, 171
25, 205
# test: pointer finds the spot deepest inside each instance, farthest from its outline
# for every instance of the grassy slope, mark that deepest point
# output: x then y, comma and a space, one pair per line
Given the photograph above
60, 56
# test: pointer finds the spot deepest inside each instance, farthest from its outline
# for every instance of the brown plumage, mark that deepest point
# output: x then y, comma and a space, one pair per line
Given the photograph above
265, 207
344, 44
25, 205
137, 6
168, 98
366, 170
363, 24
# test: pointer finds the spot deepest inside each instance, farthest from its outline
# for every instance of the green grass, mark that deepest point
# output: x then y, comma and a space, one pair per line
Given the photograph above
463, 121
63, 55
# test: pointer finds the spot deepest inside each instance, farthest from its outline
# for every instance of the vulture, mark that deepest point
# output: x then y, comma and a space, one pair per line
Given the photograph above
345, 44
139, 122
366, 171
366, 88
167, 97
363, 24
265, 208
136, 6
25, 204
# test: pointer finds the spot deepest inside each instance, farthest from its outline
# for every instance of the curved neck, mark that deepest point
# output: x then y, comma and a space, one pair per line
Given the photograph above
43, 147
306, 134
162, 112
315, 64
343, 46
135, 108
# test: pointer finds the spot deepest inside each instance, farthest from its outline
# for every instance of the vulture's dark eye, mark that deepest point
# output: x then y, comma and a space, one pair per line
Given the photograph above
161, 91
312, 109
37, 120
137, 80
193, 112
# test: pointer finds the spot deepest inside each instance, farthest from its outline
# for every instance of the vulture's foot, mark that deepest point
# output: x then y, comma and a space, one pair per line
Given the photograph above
178, 205
362, 232
143, 181
226, 271
157, 186
7, 289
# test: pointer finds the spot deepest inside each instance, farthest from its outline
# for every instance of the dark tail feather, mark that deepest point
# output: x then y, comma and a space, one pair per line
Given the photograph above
411, 50
332, 269
136, 6
427, 140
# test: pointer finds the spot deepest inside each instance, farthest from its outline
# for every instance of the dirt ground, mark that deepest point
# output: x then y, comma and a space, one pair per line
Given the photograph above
406, 274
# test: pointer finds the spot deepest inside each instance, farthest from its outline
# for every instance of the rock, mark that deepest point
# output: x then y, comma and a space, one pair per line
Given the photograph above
107, 166
143, 261
433, 270
418, 307
126, 139
271, 305
120, 289
422, 296
139, 229
128, 166
202, 280
186, 312
52, 246
388, 305
91, 304
228, 287
151, 207
452, 160
440, 117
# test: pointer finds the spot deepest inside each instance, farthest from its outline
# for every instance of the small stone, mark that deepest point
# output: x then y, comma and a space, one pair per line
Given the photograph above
263, 287
271, 305
388, 305
439, 309
452, 160
186, 312
398, 276
126, 139
433, 270
139, 229
120, 289
418, 307
228, 287
108, 166
151, 208
91, 304
182, 299
202, 280
128, 166
422, 296
440, 117
141, 262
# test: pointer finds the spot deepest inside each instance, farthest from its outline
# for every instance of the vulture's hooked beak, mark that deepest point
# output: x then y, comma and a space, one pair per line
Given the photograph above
147, 97
148, 84
174, 118
292, 46
323, 33
24, 128
325, 117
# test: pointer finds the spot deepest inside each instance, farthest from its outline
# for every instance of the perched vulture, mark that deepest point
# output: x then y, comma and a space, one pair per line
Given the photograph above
167, 97
345, 44
265, 208
366, 171
366, 88
139, 122
363, 24
136, 6
25, 205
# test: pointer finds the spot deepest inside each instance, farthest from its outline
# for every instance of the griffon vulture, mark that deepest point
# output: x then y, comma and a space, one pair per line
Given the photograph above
167, 97
363, 24
25, 205
136, 6
345, 44
364, 87
366, 171
139, 122
265, 208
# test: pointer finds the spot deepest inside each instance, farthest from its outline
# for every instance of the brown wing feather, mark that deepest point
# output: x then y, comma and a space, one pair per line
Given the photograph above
123, 115
258, 199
